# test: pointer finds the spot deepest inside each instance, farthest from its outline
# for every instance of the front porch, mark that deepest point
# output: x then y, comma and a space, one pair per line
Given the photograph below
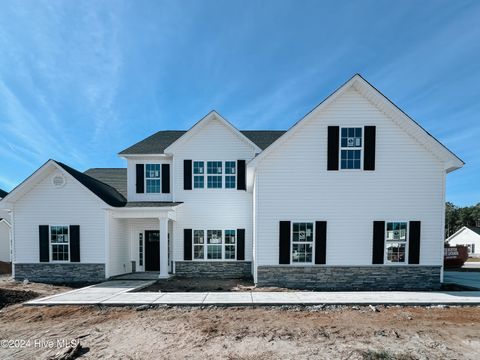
141, 241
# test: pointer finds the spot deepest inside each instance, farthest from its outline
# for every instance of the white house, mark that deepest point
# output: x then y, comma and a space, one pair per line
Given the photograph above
350, 197
468, 236
4, 237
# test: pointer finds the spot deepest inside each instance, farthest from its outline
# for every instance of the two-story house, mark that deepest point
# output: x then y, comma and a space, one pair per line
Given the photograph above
350, 197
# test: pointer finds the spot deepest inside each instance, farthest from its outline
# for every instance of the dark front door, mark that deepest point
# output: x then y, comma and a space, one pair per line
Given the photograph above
152, 250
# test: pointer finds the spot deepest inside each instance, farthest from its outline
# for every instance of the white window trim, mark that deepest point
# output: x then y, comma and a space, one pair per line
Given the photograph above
205, 245
301, 242
206, 174
51, 245
340, 148
407, 241
149, 178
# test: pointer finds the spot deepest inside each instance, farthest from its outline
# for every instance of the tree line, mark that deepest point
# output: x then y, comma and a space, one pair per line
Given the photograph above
457, 217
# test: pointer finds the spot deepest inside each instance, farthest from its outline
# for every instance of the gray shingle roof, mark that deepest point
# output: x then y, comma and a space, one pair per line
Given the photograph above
474, 229
3, 194
115, 177
158, 142
104, 191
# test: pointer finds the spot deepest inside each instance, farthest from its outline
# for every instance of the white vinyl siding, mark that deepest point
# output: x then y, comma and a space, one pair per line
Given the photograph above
292, 182
212, 208
71, 204
132, 179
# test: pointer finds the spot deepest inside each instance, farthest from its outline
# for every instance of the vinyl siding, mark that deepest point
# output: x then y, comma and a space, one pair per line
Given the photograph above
467, 237
71, 204
213, 209
132, 179
119, 259
4, 242
292, 183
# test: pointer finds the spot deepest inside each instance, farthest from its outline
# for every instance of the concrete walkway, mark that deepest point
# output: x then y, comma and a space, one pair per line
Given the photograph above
470, 279
119, 293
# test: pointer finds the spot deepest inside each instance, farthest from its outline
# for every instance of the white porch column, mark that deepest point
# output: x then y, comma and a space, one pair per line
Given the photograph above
163, 248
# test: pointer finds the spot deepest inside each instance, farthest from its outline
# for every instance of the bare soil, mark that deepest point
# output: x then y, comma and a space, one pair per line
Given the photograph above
178, 284
315, 332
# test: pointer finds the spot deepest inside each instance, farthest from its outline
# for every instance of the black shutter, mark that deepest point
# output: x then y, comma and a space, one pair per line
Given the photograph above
240, 244
75, 243
140, 178
241, 175
284, 245
187, 174
333, 146
320, 242
44, 243
165, 178
378, 242
187, 244
369, 152
414, 243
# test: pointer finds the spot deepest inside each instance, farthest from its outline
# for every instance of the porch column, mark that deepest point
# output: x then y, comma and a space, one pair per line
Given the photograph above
163, 248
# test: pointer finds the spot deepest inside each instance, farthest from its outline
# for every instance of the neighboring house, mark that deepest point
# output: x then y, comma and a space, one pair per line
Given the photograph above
350, 197
5, 256
468, 236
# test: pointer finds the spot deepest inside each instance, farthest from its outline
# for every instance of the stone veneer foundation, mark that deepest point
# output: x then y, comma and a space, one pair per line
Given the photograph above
214, 269
56, 273
345, 278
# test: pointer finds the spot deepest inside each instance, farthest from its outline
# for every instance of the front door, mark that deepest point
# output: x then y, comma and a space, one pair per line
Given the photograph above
152, 250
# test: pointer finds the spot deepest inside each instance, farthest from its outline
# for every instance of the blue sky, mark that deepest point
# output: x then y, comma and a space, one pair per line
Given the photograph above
82, 80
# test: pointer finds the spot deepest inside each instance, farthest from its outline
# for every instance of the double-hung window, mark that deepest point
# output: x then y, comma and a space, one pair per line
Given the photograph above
198, 244
60, 243
230, 178
214, 244
198, 175
351, 145
214, 177
302, 242
396, 242
230, 245
152, 178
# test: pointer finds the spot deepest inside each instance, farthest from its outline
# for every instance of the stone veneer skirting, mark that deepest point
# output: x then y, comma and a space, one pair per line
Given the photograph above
214, 269
345, 278
56, 273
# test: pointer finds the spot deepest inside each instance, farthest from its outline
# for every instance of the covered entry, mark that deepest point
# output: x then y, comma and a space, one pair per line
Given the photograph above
149, 228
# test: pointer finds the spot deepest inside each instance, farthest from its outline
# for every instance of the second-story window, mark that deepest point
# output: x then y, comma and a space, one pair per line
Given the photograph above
230, 171
351, 148
214, 174
152, 178
198, 175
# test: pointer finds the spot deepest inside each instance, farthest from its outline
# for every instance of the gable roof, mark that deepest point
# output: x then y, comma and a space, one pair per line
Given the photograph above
452, 162
476, 230
114, 177
3, 193
158, 142
107, 193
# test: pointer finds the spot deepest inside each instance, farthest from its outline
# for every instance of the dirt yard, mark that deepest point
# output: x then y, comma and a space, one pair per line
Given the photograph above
314, 332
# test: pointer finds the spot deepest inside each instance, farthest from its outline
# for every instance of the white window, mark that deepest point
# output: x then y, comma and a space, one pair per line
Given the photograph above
351, 146
214, 171
198, 175
60, 243
230, 175
396, 242
214, 244
230, 245
302, 242
152, 178
198, 245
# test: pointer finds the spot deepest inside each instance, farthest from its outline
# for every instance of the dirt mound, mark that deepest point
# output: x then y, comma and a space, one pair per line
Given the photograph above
10, 297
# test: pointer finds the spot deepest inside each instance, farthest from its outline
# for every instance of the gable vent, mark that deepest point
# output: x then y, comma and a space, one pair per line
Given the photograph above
58, 181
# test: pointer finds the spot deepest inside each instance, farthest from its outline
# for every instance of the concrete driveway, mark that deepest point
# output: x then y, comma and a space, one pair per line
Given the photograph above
465, 278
